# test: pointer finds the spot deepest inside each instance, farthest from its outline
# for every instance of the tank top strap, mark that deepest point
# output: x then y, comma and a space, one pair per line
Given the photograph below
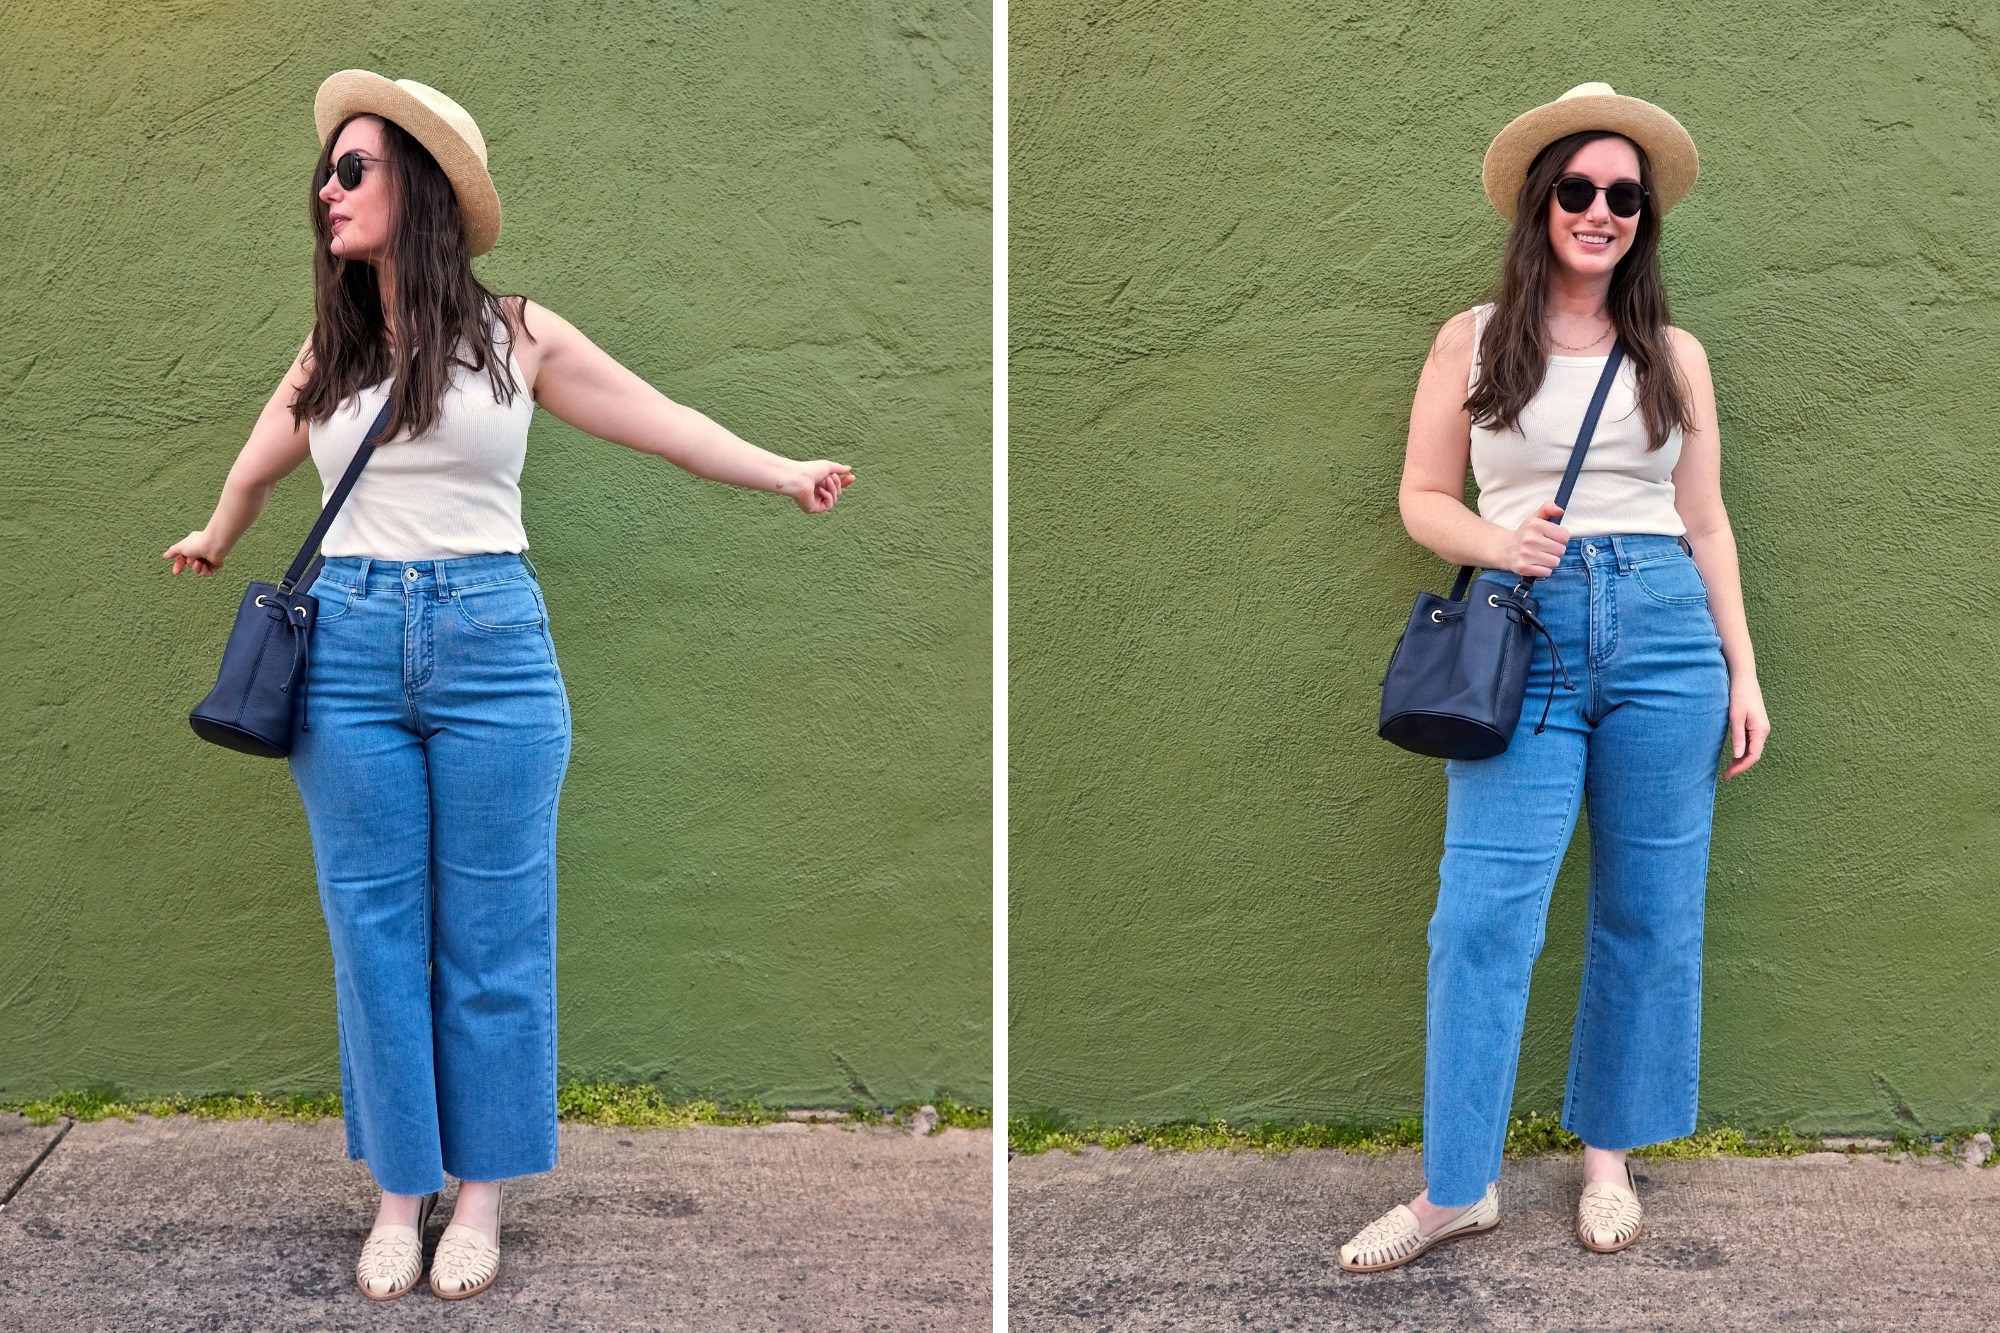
1482, 315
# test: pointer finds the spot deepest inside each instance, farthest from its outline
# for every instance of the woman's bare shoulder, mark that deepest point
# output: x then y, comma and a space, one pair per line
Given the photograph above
1453, 344
527, 325
1684, 343
1688, 353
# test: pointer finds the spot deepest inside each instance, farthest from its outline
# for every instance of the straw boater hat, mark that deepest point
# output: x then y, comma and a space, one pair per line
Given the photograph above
433, 120
1591, 106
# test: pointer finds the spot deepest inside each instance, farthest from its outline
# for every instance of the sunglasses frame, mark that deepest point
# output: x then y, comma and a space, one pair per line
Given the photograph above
360, 171
1645, 196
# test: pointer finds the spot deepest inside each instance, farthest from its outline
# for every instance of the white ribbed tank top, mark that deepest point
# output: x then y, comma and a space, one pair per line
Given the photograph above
1623, 487
454, 491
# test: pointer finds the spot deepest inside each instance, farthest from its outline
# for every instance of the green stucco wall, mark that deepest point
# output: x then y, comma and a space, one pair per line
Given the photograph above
775, 847
1235, 230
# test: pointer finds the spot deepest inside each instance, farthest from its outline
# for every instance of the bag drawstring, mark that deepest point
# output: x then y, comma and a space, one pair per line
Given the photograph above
1522, 615
295, 619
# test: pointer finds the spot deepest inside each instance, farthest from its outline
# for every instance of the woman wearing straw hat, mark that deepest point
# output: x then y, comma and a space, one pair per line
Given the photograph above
1640, 592
439, 728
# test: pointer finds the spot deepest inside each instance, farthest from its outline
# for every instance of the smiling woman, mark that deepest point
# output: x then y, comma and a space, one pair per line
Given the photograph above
432, 674
1645, 631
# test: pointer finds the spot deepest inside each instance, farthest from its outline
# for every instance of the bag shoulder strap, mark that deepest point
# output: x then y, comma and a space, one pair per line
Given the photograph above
1576, 453
298, 578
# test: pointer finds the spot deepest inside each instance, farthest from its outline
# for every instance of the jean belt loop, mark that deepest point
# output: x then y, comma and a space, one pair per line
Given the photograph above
437, 572
361, 580
1621, 554
533, 573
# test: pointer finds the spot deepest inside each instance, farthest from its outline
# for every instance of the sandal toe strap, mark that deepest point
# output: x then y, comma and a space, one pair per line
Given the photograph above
391, 1258
1608, 1212
464, 1259
1389, 1237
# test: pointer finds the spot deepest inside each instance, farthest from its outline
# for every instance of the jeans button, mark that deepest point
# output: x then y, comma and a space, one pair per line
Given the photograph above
1588, 550
410, 574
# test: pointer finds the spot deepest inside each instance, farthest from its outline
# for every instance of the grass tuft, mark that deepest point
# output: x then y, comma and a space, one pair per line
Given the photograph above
641, 1106
951, 1115
628, 1105
102, 1104
1527, 1136
1038, 1133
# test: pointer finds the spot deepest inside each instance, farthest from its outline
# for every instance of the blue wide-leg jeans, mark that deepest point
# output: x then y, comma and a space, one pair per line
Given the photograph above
1639, 741
436, 732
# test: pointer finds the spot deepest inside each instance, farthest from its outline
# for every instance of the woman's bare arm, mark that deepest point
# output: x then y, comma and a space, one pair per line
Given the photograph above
1698, 500
276, 447
1432, 496
585, 386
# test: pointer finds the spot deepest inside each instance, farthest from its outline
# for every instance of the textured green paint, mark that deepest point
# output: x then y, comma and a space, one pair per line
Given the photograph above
775, 844
1235, 229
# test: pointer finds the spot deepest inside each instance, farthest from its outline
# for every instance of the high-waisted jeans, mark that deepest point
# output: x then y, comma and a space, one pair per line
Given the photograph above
437, 732
1640, 740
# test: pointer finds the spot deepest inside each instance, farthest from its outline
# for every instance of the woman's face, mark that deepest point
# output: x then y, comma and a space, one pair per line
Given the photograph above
1591, 243
363, 218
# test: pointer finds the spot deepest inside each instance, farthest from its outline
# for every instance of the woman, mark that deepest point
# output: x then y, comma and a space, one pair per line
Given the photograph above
439, 729
1640, 592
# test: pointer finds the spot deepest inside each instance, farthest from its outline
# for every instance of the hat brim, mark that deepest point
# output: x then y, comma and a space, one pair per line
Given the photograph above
1669, 148
357, 92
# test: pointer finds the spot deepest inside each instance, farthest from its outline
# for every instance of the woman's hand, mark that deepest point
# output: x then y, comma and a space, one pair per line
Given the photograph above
1536, 548
816, 485
197, 551
1749, 724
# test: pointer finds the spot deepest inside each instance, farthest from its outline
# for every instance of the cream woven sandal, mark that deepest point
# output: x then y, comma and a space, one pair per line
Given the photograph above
465, 1263
1608, 1215
392, 1258
1395, 1238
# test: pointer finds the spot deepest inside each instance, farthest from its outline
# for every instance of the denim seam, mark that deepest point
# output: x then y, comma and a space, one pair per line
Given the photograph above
1665, 600
481, 627
1576, 1044
1593, 678
549, 971
422, 654
518, 576
1542, 901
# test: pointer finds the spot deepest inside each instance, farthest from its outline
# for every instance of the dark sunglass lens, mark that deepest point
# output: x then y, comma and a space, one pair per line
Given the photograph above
1575, 194
348, 168
1624, 198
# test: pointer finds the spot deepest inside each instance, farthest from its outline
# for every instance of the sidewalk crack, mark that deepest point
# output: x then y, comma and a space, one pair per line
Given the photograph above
34, 1166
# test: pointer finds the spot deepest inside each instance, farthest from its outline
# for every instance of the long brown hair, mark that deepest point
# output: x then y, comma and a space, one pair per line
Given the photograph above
1514, 353
445, 316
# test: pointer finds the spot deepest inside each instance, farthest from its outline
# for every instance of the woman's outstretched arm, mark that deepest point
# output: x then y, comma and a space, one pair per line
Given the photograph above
580, 383
276, 447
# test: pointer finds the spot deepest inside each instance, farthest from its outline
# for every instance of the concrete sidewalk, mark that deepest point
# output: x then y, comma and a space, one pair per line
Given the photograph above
191, 1224
1136, 1240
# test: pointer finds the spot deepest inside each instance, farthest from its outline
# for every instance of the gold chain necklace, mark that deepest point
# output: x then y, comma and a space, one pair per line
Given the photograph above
1586, 347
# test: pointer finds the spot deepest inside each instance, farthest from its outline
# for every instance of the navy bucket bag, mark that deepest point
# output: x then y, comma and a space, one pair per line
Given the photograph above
1457, 676
264, 663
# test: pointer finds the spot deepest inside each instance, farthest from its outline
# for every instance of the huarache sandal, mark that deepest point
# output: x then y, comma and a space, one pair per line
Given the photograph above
392, 1258
465, 1263
1395, 1238
1608, 1215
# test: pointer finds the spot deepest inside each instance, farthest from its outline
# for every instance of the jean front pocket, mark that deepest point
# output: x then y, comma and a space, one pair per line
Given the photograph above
1674, 580
333, 599
511, 607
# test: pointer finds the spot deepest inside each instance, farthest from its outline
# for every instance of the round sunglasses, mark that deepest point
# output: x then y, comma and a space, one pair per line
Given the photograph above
1577, 193
348, 168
